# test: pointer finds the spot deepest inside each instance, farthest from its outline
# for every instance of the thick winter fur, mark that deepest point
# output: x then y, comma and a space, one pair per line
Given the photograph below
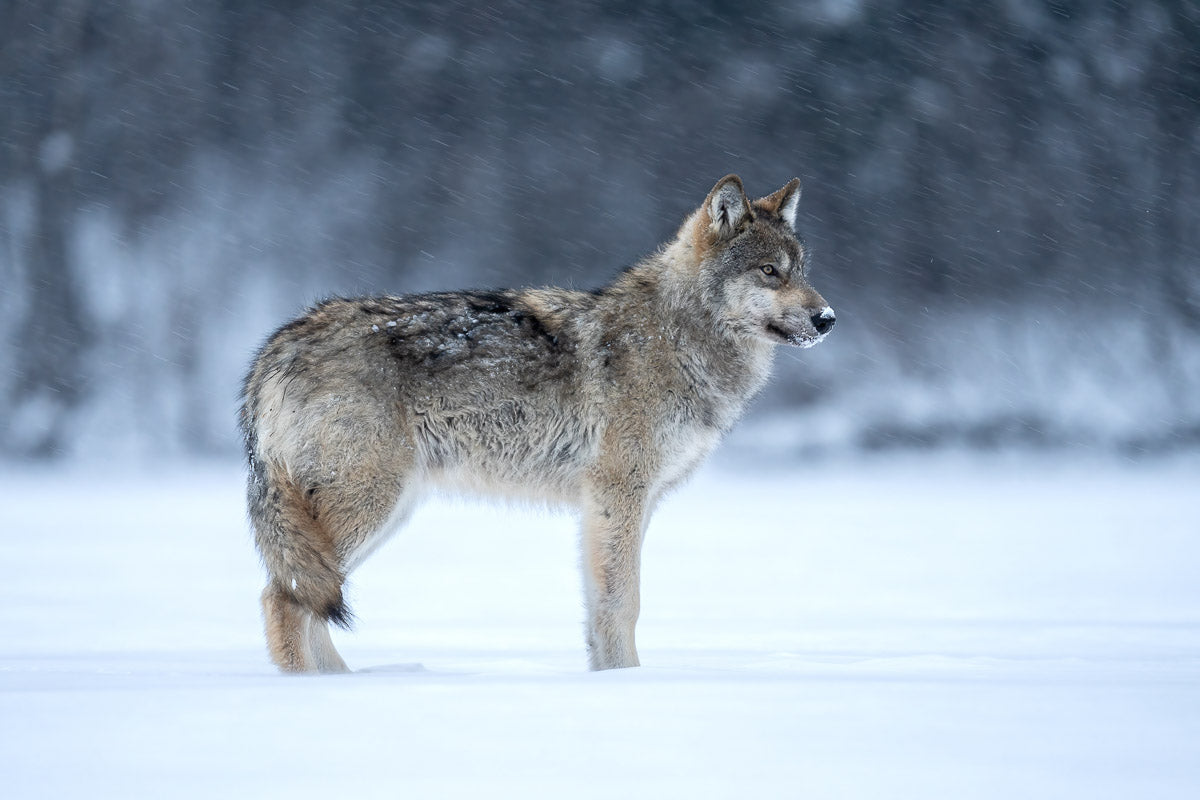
601, 401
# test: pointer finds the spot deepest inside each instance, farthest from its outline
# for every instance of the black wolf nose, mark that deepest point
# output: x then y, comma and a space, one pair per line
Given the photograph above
823, 321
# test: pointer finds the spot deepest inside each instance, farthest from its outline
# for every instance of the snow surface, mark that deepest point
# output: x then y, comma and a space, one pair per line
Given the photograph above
944, 629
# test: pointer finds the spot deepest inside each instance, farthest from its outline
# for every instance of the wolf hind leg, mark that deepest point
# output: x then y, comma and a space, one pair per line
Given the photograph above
311, 534
325, 655
297, 635
297, 639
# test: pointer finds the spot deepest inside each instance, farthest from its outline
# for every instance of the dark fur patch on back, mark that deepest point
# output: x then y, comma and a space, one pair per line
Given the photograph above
444, 330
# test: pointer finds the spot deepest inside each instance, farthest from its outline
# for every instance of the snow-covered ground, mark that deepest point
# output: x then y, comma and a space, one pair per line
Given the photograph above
905, 628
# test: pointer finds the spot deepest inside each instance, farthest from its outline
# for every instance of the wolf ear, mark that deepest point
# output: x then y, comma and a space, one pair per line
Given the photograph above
783, 202
727, 206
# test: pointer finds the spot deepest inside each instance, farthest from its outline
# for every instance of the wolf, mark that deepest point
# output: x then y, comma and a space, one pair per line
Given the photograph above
601, 401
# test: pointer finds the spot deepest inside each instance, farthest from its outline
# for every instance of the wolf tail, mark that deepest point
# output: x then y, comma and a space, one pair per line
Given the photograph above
295, 548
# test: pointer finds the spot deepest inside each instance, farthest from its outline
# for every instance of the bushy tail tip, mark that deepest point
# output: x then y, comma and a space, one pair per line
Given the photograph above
339, 614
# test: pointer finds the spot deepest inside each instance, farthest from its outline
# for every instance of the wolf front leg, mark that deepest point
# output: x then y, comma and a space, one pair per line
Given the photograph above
614, 522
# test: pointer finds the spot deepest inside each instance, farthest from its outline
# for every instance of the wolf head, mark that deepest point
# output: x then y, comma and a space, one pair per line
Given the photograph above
753, 266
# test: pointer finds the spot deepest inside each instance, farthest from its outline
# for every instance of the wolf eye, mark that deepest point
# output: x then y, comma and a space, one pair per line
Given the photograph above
768, 269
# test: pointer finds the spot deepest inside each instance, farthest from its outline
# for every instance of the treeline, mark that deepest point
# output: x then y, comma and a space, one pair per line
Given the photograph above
176, 176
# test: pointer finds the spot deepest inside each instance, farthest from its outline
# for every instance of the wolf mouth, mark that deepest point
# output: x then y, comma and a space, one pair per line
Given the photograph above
789, 338
794, 339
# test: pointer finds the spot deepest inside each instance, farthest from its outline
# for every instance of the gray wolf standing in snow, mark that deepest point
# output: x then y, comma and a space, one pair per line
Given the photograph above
601, 401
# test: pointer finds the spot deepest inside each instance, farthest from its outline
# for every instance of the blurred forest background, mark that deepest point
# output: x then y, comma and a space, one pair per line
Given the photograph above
1003, 197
